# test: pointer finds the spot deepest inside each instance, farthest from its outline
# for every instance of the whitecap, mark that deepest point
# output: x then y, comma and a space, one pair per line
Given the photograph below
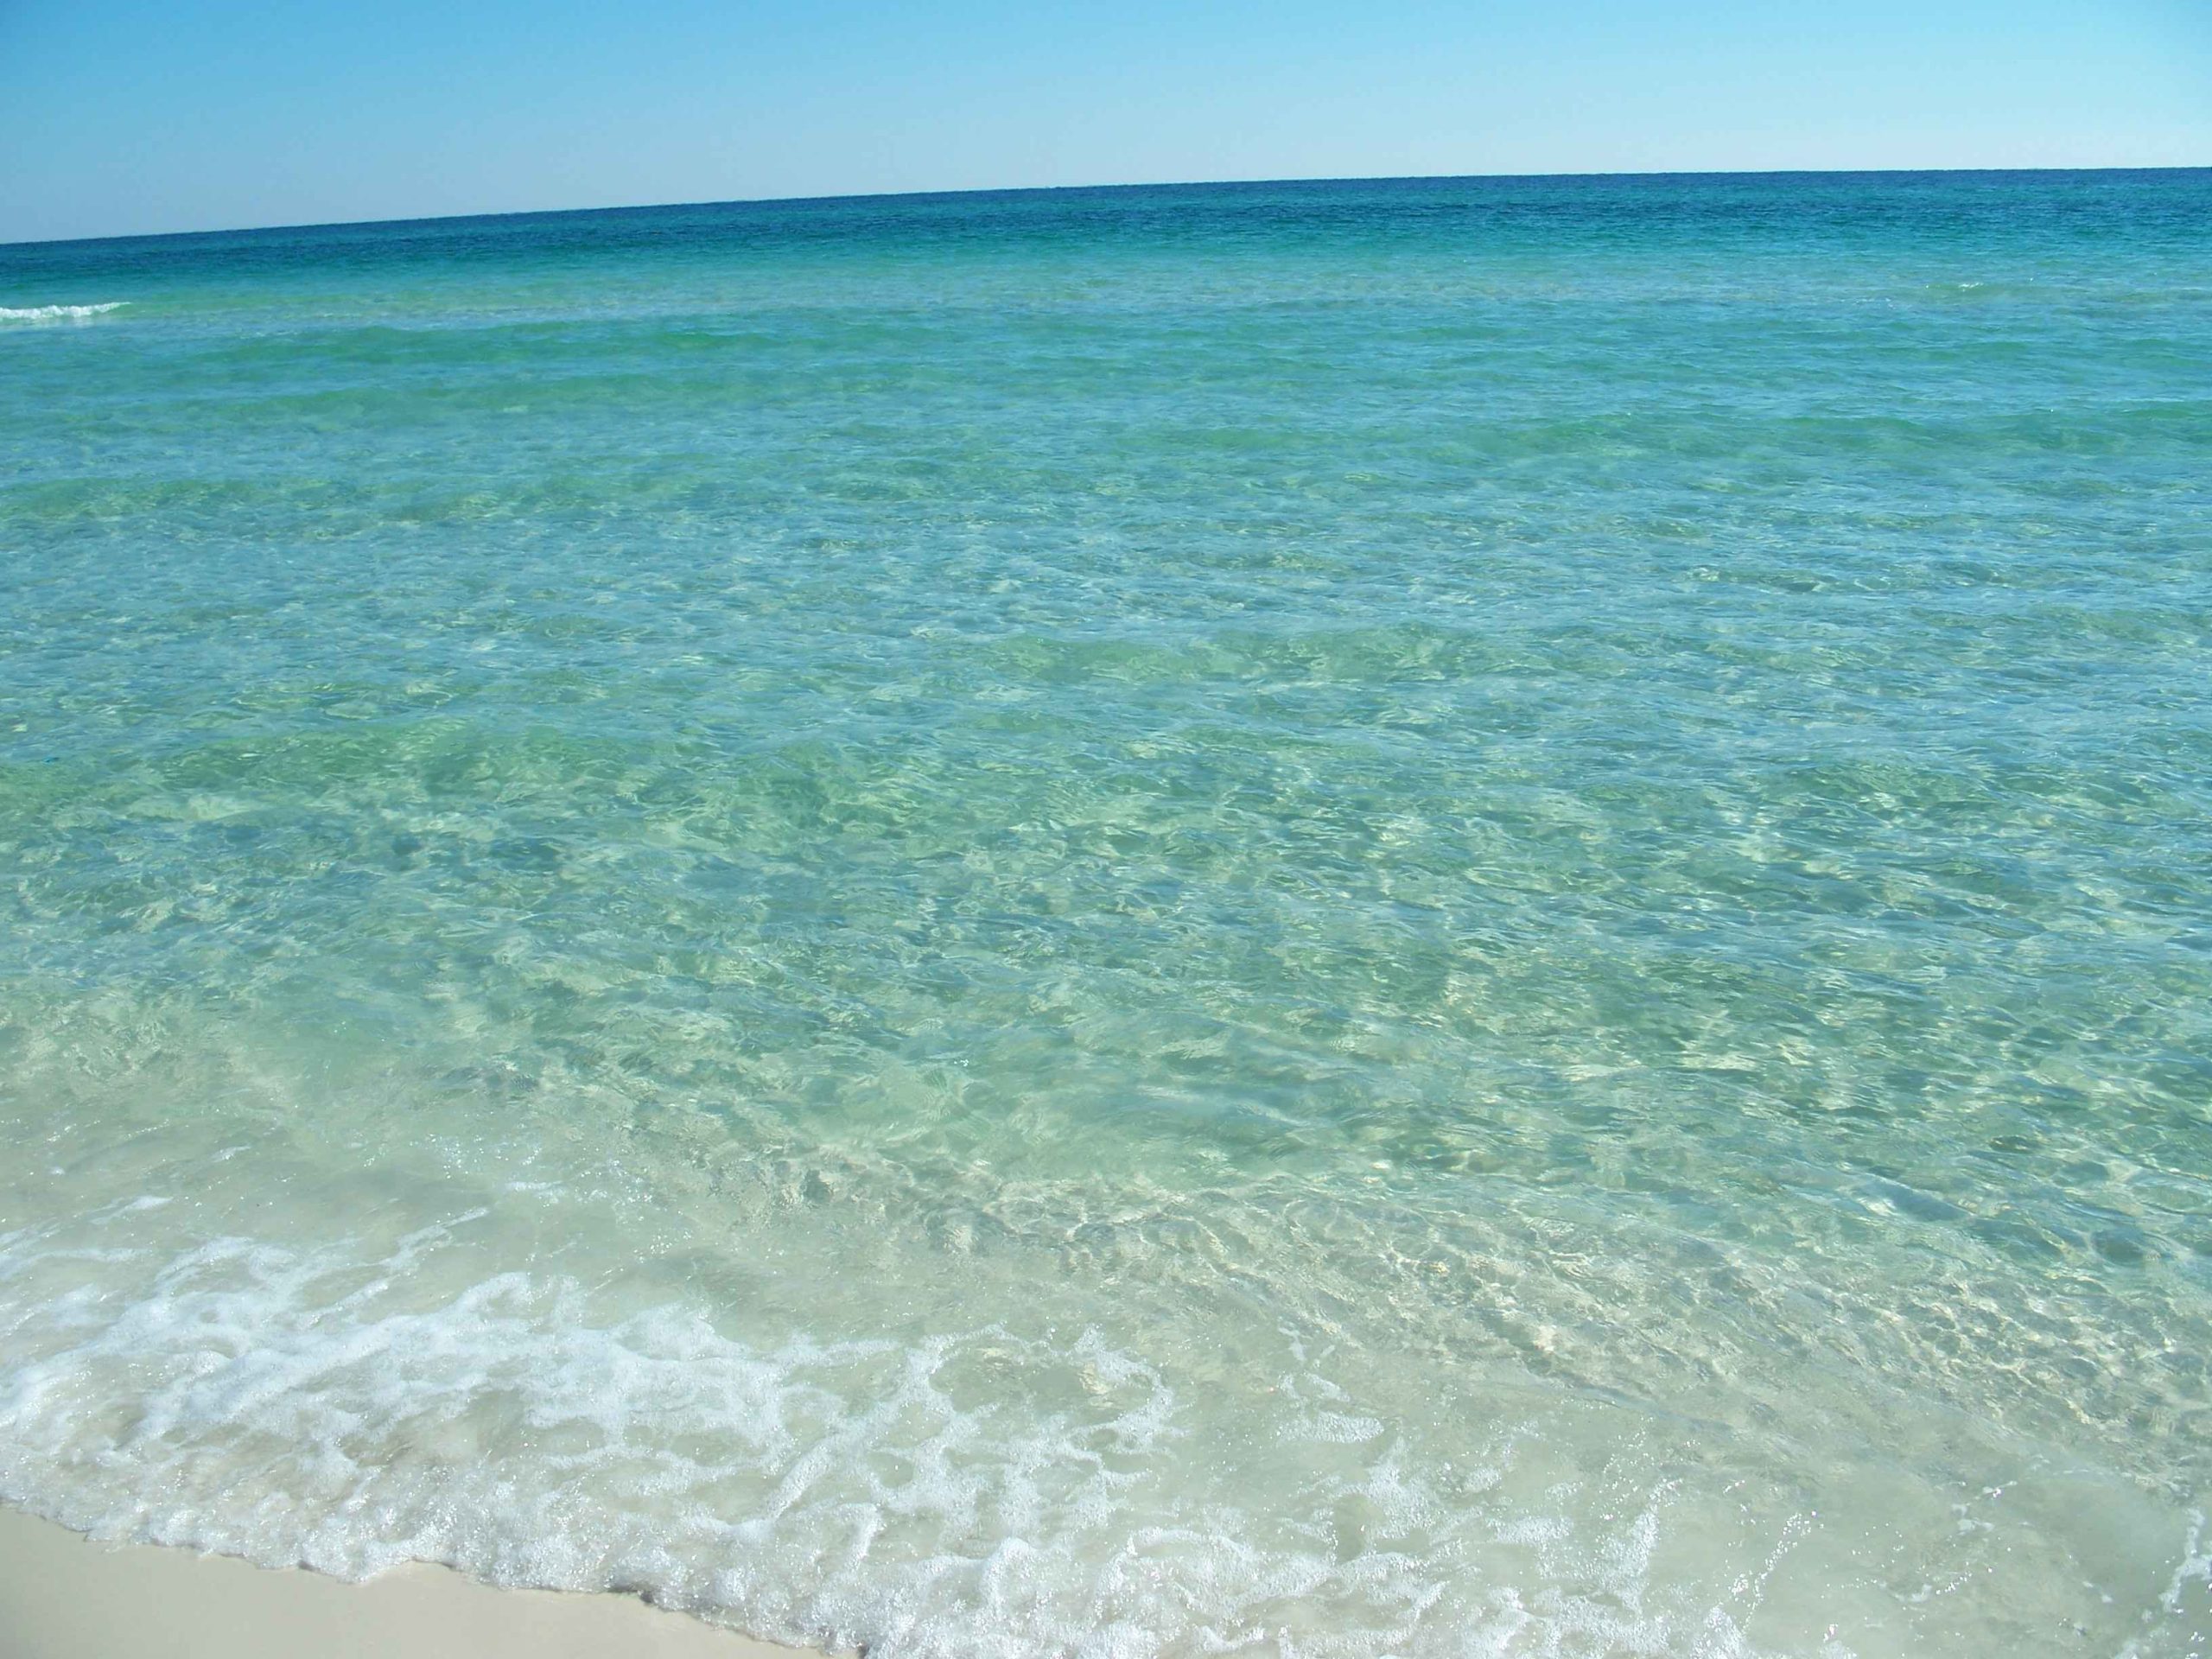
58, 313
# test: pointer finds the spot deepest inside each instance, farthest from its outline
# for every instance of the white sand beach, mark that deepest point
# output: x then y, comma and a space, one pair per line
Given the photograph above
63, 1596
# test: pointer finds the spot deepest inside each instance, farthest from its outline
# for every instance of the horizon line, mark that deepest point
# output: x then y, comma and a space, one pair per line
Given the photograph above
1076, 189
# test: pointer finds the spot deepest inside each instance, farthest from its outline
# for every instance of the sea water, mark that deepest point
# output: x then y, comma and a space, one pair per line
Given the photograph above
1420, 918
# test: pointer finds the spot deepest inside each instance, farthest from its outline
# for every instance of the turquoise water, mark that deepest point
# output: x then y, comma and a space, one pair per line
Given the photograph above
1416, 918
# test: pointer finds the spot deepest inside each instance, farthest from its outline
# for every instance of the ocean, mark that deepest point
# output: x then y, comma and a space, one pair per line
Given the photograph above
1416, 917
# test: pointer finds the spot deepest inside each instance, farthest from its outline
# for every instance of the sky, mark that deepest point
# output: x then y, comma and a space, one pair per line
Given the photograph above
119, 116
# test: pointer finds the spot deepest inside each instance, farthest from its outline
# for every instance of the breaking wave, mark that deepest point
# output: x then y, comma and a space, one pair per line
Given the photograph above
58, 313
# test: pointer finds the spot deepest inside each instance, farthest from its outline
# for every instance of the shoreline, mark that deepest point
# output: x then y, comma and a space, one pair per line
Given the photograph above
66, 1596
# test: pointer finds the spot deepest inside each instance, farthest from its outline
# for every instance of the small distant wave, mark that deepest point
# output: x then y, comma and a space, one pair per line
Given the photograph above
57, 313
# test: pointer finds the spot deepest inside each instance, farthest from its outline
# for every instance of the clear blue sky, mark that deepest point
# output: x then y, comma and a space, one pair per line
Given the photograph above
120, 116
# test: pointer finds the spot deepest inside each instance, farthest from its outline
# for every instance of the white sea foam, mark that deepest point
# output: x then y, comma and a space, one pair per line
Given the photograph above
971, 1493
58, 313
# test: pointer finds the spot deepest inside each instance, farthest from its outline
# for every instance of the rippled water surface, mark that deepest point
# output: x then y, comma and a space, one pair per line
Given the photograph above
1410, 919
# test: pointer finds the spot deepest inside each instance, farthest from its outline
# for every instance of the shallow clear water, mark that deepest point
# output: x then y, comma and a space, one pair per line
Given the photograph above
1414, 919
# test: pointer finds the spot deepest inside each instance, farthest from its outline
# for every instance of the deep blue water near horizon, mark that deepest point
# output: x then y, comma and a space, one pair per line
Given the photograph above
1409, 918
